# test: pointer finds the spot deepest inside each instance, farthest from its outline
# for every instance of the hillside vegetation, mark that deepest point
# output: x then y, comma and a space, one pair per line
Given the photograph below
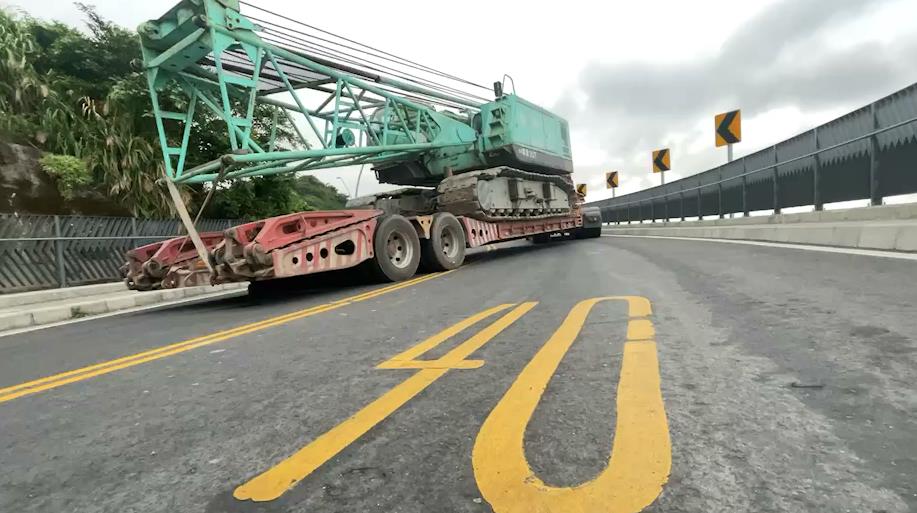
74, 95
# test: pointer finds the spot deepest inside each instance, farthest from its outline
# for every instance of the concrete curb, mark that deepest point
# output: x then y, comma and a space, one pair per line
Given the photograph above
888, 235
890, 213
43, 296
122, 301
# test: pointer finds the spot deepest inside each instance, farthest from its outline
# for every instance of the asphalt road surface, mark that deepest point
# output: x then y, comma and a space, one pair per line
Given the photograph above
724, 377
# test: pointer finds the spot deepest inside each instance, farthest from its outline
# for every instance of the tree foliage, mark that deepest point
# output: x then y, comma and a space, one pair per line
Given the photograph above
74, 93
69, 172
260, 197
318, 195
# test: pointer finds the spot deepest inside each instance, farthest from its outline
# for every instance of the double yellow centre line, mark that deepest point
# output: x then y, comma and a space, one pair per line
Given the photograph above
57, 380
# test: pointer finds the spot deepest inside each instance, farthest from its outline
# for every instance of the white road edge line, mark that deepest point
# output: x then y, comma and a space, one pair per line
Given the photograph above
805, 247
214, 295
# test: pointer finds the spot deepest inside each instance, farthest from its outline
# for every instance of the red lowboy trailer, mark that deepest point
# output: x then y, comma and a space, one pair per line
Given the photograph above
391, 246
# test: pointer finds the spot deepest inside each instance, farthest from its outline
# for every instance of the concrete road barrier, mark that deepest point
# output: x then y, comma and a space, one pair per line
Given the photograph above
56, 305
892, 228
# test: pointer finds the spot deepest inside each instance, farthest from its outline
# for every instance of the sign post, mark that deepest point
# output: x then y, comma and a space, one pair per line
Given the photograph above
611, 181
662, 162
728, 130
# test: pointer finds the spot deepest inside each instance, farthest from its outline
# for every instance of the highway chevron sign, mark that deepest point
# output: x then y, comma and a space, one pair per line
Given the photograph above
728, 127
662, 160
611, 179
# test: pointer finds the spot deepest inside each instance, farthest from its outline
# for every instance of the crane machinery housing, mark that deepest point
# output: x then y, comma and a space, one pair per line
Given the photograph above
475, 170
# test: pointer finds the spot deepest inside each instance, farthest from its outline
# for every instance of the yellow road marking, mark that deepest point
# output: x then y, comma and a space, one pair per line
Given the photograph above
641, 453
432, 364
409, 356
274, 482
64, 378
640, 329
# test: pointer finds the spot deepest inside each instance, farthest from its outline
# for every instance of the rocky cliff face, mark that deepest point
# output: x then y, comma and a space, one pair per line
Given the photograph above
26, 189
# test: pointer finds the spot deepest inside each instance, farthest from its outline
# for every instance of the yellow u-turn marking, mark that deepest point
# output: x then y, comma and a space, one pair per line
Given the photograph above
641, 453
278, 479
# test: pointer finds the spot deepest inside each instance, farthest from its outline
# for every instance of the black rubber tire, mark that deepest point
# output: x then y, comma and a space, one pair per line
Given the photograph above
445, 249
402, 261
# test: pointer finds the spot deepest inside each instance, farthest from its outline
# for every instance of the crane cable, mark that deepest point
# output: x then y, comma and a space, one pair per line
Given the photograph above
238, 59
378, 52
312, 36
279, 38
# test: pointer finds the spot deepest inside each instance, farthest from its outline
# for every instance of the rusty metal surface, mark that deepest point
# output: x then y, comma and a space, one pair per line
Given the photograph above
253, 250
341, 249
169, 264
479, 232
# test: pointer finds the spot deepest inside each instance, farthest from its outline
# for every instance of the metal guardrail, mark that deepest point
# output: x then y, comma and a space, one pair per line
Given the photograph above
867, 154
40, 251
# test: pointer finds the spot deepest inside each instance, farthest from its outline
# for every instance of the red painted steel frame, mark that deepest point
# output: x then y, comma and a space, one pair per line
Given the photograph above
479, 233
341, 249
297, 244
280, 231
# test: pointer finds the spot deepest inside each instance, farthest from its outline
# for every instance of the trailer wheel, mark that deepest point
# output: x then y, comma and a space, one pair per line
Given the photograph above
397, 249
445, 249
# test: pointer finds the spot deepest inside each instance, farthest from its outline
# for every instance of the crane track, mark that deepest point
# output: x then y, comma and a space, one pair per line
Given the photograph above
459, 195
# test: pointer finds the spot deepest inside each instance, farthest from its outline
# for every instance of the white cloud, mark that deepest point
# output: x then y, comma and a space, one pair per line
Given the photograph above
630, 76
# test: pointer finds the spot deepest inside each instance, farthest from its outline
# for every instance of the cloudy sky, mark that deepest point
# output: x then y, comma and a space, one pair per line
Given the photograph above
631, 76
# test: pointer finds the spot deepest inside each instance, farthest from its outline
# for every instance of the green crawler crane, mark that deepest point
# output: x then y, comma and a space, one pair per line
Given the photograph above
459, 155
413, 134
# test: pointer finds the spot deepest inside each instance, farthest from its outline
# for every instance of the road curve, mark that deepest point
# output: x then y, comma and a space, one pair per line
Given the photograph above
786, 380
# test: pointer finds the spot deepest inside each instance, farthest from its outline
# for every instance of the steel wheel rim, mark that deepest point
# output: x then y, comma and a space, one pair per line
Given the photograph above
448, 240
398, 250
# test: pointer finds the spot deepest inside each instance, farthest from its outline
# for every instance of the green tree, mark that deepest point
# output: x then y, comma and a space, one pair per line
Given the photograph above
69, 172
91, 64
258, 197
22, 91
55, 85
75, 94
317, 194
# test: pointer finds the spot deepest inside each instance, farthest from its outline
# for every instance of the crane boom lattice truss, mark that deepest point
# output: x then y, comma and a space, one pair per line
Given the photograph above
229, 64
